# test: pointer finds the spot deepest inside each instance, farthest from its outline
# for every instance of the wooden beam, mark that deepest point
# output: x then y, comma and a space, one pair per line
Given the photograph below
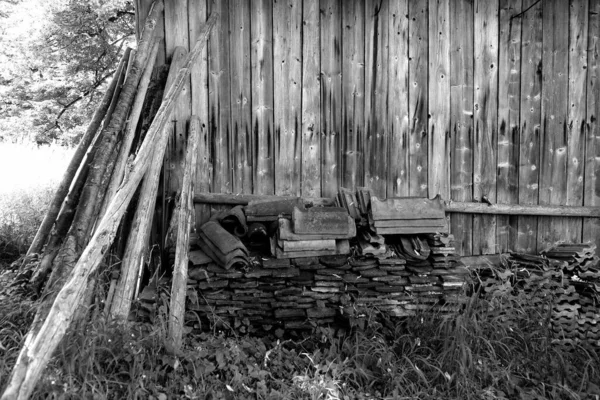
522, 209
454, 207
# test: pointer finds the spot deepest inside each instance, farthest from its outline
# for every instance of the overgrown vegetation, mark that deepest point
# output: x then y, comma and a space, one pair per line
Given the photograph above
469, 356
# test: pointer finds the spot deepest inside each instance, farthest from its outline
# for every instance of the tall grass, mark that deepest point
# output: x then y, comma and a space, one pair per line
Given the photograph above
475, 354
28, 179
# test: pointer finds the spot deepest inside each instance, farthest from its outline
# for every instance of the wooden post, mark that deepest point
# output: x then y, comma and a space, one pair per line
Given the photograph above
42, 339
185, 210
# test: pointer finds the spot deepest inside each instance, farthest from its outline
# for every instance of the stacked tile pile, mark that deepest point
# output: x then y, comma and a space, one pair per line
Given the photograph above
302, 293
575, 314
564, 280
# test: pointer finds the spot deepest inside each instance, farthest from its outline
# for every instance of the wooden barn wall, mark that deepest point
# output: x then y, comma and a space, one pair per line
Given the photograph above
469, 99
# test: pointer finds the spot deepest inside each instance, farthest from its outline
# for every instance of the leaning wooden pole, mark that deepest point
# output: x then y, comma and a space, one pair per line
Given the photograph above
134, 116
63, 188
184, 222
41, 343
137, 242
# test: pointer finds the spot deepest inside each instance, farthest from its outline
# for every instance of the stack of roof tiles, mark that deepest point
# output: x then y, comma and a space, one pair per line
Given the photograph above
302, 293
564, 280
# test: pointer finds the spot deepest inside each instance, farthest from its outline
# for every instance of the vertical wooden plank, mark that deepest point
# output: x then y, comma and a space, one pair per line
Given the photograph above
262, 96
439, 98
591, 227
553, 150
177, 34
578, 34
353, 82
199, 93
331, 95
376, 95
397, 184
219, 99
461, 120
417, 96
529, 146
311, 100
485, 120
287, 49
241, 95
509, 93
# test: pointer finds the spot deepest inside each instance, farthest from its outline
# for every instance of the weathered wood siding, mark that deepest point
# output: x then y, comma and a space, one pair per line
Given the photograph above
474, 100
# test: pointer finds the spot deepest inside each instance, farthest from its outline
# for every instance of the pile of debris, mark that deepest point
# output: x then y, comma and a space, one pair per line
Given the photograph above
564, 281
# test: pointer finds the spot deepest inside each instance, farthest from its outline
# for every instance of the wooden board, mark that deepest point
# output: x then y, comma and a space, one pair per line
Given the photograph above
509, 92
531, 91
553, 140
439, 98
311, 101
219, 122
176, 23
591, 227
286, 232
262, 96
241, 96
398, 121
199, 94
406, 208
485, 119
376, 86
577, 80
417, 97
461, 121
353, 87
331, 94
287, 62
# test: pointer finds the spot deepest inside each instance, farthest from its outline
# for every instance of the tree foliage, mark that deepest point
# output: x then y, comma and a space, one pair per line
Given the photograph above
58, 64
